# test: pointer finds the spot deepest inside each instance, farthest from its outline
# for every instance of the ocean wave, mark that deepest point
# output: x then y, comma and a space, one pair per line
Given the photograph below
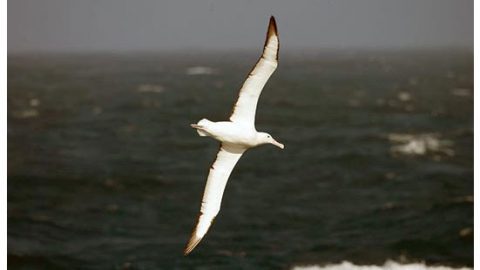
389, 265
200, 70
420, 144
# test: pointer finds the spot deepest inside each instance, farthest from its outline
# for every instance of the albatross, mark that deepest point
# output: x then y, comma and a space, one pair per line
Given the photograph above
236, 135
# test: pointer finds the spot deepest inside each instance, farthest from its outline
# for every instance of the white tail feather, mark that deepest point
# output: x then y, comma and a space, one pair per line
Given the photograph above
200, 126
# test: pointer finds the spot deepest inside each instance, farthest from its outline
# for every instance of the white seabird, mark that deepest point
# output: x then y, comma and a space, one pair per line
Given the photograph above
236, 135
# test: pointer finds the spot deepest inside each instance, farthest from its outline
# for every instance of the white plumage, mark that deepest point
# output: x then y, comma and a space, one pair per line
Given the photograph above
236, 135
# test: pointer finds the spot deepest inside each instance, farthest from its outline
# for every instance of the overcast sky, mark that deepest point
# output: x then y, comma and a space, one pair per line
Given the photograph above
137, 25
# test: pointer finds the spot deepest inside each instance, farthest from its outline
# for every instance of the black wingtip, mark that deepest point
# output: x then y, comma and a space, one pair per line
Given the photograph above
272, 31
192, 243
272, 26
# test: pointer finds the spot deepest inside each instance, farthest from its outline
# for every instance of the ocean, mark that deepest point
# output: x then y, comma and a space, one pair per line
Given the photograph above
104, 171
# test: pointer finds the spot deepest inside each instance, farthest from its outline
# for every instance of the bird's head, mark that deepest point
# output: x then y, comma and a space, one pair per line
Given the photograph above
264, 138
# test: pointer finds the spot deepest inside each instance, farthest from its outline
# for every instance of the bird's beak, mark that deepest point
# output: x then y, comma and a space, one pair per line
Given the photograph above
277, 144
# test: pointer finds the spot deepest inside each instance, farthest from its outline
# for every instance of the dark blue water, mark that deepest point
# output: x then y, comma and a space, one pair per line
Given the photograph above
104, 171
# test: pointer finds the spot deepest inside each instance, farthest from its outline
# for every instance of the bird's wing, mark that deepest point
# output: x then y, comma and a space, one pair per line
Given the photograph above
217, 179
246, 105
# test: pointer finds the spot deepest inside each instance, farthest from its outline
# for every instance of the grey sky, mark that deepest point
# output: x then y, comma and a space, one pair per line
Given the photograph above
123, 25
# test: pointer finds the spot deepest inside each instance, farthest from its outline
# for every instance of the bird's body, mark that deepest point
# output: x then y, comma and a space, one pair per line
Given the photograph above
236, 135
227, 132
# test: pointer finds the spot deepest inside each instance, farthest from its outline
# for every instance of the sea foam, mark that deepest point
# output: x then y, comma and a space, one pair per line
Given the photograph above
389, 265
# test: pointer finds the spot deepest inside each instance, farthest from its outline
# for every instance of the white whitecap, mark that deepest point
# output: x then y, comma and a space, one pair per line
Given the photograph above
420, 144
200, 70
150, 88
389, 265
404, 96
27, 113
461, 92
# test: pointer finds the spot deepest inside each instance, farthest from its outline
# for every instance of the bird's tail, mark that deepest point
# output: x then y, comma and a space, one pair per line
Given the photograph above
200, 126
